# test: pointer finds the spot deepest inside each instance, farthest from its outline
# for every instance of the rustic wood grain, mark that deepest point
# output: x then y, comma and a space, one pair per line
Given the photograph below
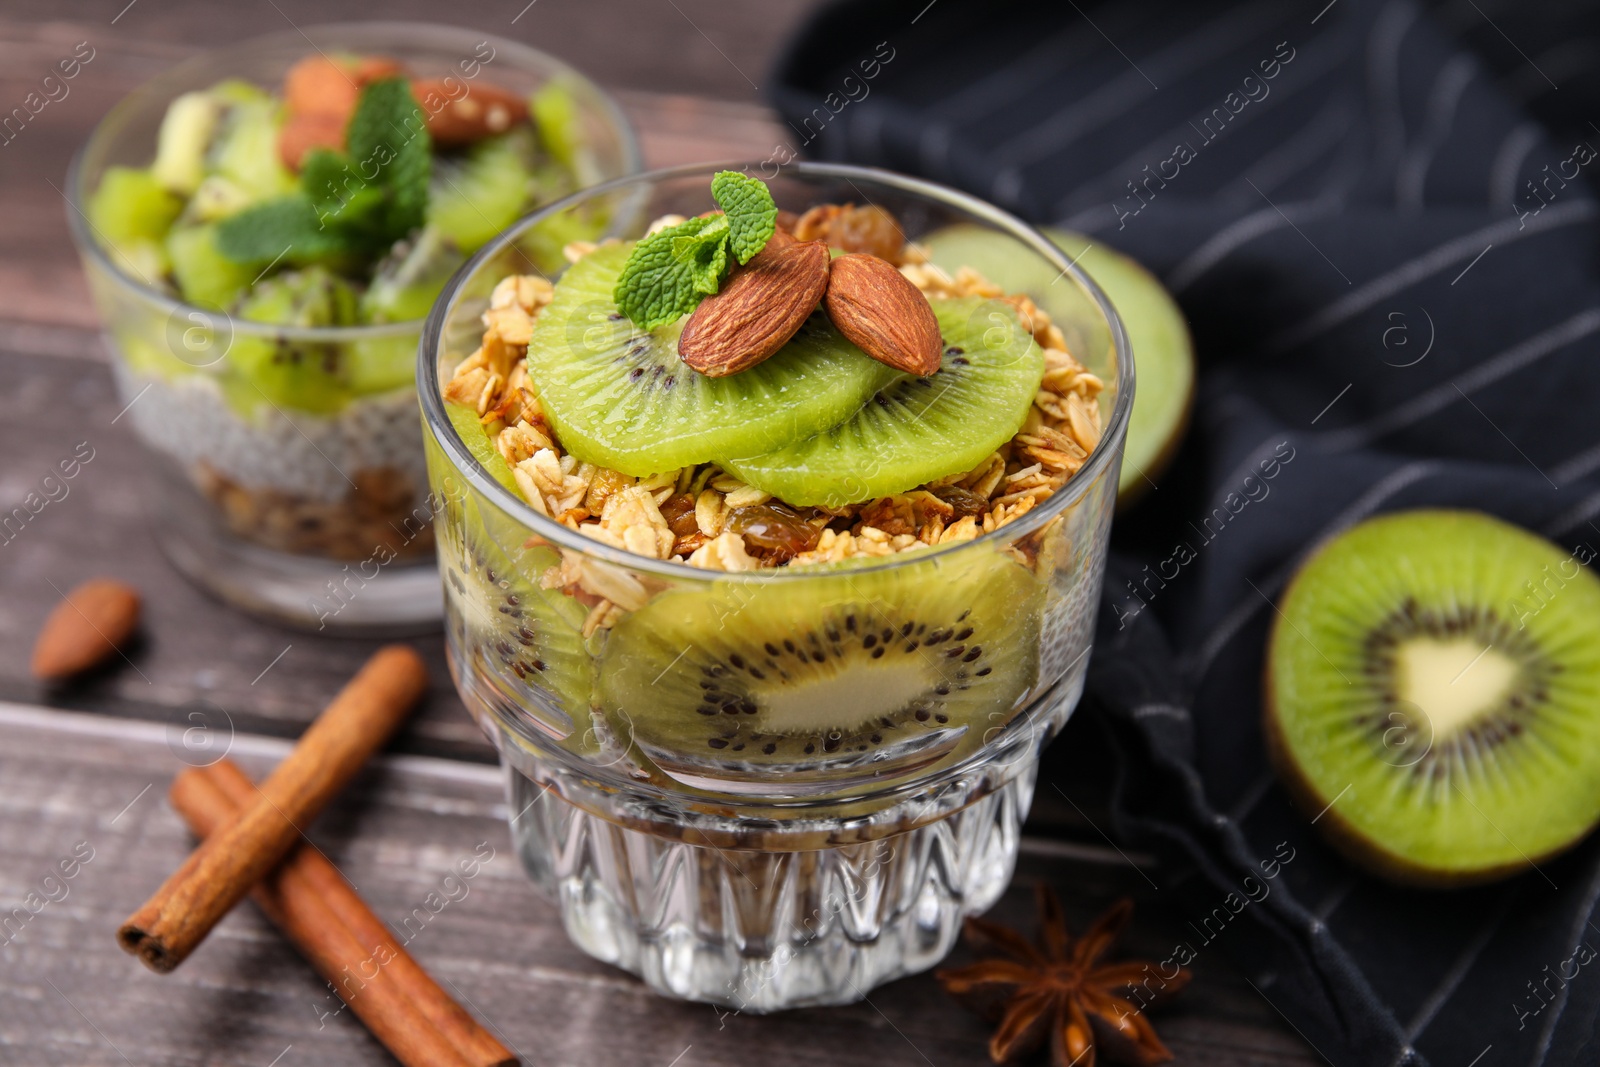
245, 997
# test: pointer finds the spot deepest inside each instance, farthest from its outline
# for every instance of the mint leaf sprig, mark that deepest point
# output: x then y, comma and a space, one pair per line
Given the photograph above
672, 270
353, 204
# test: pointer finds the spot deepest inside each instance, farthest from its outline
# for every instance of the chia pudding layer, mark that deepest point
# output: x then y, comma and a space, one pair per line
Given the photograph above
338, 485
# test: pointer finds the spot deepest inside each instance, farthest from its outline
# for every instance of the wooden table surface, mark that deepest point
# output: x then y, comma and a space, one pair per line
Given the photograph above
91, 762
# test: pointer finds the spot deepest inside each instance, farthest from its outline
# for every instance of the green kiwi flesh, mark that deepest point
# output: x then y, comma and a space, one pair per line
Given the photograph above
621, 398
526, 640
1157, 332
915, 430
785, 687
1433, 696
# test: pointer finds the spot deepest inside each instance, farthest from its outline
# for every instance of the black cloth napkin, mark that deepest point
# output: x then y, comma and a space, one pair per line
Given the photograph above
1378, 219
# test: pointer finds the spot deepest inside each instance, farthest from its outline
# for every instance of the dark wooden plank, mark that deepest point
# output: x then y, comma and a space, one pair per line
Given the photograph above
244, 997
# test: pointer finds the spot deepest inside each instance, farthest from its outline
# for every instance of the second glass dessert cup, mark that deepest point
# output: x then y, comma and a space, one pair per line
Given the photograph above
764, 872
287, 468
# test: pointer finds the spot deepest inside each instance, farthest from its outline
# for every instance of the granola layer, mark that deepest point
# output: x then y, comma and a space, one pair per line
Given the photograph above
704, 516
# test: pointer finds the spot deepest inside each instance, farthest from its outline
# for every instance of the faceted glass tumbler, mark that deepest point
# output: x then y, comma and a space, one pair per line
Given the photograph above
313, 509
713, 876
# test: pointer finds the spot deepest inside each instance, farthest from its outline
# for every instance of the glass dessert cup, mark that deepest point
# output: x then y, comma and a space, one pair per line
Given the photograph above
713, 873
310, 509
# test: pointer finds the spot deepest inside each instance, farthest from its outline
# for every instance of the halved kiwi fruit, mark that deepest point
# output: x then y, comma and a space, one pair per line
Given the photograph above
916, 429
622, 398
850, 676
527, 640
1156, 330
1433, 696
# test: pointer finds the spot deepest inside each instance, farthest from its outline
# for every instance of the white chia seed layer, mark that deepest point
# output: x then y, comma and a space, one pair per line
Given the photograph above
312, 456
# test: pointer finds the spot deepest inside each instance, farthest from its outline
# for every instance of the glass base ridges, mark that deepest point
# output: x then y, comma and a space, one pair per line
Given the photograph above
764, 931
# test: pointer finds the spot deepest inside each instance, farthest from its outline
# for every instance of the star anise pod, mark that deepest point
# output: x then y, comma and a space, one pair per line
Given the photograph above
1062, 990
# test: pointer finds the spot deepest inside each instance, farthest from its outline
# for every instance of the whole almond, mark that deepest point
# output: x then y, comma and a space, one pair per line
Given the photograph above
757, 311
91, 623
883, 314
483, 111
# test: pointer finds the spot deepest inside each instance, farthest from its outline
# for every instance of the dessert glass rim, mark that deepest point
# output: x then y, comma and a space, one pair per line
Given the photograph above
431, 398
177, 75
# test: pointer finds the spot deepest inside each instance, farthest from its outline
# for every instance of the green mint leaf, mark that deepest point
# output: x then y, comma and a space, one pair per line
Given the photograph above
752, 216
706, 252
325, 177
668, 273
286, 228
388, 147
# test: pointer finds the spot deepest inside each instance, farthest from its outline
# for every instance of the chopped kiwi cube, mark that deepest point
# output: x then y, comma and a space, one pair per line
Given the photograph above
129, 203
186, 132
205, 276
245, 149
405, 283
474, 195
285, 372
129, 213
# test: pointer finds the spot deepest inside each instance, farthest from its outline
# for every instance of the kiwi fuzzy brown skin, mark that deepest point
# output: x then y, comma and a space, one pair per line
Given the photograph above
1339, 832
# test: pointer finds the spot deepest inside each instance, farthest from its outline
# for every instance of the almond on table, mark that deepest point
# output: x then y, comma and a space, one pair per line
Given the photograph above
90, 625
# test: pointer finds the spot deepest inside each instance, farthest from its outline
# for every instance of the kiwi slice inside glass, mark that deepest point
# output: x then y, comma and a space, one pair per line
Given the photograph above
1157, 332
527, 641
844, 676
917, 429
1433, 696
621, 398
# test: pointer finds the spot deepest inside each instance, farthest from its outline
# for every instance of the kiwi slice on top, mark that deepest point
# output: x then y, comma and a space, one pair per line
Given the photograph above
798, 686
1157, 332
1433, 691
917, 429
621, 398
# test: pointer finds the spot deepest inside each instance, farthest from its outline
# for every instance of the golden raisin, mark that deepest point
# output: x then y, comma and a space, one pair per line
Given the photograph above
965, 501
778, 530
679, 513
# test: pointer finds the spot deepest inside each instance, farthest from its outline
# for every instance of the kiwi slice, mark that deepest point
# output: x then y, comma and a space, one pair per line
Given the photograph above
526, 641
205, 276
917, 429
796, 686
1433, 694
621, 398
1155, 325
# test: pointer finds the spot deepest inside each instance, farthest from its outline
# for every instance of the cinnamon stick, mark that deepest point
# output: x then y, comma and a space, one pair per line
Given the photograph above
221, 871
333, 950
308, 875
